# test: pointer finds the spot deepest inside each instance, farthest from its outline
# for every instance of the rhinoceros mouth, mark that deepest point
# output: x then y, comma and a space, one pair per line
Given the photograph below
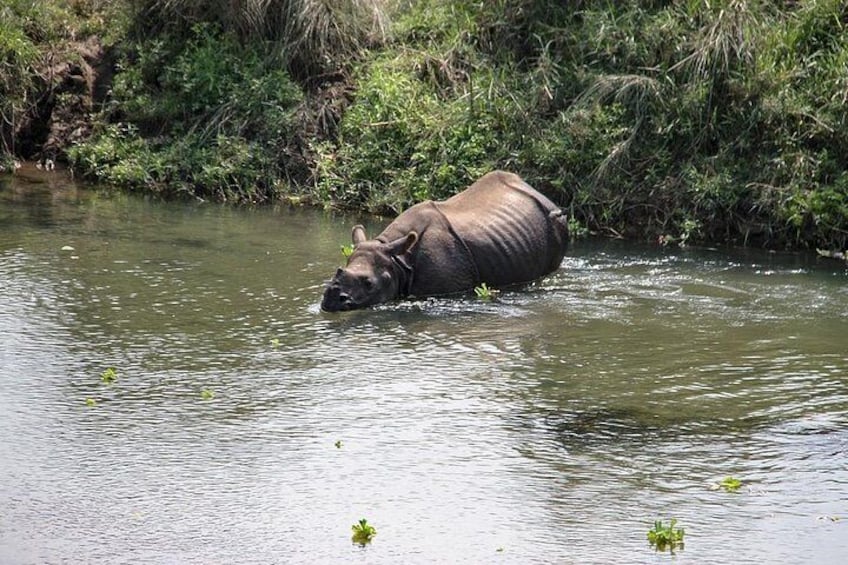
336, 307
335, 300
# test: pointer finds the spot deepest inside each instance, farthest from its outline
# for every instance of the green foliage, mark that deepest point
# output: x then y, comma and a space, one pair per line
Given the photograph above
695, 121
403, 142
483, 292
363, 532
206, 118
311, 36
664, 537
207, 394
730, 484
109, 375
90, 402
347, 250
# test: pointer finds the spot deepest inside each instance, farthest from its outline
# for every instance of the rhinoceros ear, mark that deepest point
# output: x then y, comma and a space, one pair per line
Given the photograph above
359, 235
403, 244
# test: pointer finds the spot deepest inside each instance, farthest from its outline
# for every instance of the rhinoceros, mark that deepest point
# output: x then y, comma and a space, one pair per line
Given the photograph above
499, 231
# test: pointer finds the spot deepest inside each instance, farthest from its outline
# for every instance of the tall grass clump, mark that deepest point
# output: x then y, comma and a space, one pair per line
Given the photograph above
310, 36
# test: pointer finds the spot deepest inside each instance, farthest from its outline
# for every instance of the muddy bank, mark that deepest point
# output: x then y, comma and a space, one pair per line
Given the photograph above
69, 86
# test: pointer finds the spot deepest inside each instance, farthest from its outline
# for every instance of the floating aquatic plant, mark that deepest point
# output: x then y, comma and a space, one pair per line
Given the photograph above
109, 375
730, 484
363, 532
207, 394
666, 537
483, 292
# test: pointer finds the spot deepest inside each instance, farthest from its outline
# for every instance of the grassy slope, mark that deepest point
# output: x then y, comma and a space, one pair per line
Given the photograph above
720, 121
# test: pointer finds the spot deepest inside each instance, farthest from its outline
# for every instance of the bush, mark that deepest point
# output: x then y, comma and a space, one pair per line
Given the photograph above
697, 121
206, 117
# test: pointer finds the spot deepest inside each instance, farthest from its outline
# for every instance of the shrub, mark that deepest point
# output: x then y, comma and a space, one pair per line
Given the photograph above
207, 117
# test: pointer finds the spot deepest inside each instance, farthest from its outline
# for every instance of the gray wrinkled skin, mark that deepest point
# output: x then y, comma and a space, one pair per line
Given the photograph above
370, 276
499, 231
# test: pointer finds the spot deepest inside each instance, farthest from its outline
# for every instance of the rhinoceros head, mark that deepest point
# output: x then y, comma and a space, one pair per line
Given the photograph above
375, 272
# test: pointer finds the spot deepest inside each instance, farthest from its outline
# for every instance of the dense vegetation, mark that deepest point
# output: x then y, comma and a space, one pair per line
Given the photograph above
696, 120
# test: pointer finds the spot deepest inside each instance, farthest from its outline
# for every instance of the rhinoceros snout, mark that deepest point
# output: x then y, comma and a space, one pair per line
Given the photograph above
335, 300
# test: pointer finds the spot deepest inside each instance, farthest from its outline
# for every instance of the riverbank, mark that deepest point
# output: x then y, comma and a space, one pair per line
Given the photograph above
719, 122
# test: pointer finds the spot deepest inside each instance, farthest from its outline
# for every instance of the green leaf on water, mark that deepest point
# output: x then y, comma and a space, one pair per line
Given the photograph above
275, 342
338, 444
207, 394
347, 250
730, 484
109, 375
90, 402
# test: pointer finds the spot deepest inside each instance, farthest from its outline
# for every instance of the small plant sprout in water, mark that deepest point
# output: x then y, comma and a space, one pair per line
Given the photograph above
666, 537
109, 375
363, 532
483, 292
90, 402
730, 484
338, 444
275, 342
207, 394
347, 250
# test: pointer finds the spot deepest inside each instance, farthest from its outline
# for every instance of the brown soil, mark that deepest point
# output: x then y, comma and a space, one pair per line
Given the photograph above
71, 85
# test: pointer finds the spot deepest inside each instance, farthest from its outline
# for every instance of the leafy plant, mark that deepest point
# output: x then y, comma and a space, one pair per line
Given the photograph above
109, 376
576, 229
483, 292
338, 444
730, 484
347, 250
90, 402
666, 537
363, 532
207, 394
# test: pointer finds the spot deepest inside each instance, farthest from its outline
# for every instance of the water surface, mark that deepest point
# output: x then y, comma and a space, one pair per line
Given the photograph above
552, 426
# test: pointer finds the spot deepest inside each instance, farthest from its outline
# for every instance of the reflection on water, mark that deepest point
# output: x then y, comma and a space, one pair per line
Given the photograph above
553, 426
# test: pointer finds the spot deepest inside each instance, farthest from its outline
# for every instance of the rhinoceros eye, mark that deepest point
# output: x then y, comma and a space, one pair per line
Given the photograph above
367, 283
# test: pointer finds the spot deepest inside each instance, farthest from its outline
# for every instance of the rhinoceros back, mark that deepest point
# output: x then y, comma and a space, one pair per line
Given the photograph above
514, 233
499, 231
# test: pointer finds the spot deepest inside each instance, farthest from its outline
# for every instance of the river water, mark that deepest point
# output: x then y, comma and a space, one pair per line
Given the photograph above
554, 425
